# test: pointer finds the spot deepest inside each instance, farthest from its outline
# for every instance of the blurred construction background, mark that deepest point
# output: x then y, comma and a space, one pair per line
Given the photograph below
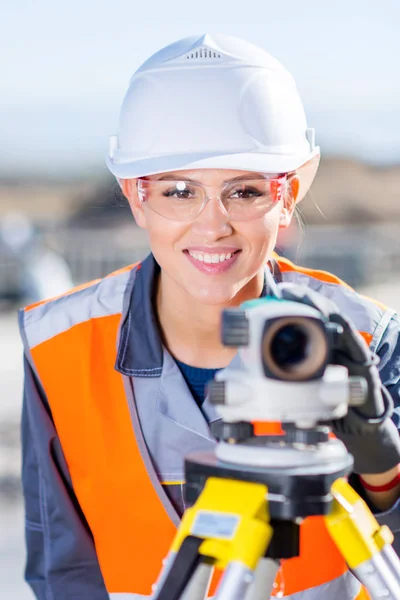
63, 220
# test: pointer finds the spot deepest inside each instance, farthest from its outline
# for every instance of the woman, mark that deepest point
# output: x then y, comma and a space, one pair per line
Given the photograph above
213, 153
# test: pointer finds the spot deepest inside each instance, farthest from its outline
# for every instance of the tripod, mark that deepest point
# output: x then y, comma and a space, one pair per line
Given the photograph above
249, 500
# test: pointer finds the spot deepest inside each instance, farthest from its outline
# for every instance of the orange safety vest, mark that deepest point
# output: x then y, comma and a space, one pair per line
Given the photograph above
123, 507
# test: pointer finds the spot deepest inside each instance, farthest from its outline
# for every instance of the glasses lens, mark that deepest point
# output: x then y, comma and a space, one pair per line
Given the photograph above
175, 200
250, 199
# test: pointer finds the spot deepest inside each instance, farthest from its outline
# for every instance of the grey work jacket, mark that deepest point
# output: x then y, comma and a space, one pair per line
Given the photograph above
60, 547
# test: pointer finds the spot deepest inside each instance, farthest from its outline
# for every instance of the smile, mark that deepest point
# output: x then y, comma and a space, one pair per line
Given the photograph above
210, 258
212, 263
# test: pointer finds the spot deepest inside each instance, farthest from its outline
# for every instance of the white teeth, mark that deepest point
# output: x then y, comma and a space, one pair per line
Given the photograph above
209, 258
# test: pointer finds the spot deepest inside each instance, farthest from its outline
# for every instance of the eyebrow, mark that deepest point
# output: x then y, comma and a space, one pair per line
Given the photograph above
249, 176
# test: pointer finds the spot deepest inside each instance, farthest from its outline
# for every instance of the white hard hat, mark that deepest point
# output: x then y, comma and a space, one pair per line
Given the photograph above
211, 102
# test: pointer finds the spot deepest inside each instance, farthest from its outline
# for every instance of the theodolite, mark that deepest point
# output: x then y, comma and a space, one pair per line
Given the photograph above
249, 497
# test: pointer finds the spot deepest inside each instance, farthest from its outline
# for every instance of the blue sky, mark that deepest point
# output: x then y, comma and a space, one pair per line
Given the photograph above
67, 66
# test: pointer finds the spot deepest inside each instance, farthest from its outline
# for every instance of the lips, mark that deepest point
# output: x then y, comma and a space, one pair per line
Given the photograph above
212, 263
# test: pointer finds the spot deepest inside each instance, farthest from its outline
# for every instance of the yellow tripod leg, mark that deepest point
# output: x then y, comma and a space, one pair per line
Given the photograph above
363, 543
232, 519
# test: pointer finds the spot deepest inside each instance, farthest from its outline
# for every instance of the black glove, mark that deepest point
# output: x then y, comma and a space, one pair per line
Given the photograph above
367, 431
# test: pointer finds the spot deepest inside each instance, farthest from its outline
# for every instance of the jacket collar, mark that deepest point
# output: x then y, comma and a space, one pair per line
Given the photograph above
140, 349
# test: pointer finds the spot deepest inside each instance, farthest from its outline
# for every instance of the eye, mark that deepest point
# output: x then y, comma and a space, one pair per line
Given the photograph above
180, 190
245, 192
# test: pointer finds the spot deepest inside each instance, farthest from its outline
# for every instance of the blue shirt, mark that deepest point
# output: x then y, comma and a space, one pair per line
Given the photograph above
196, 379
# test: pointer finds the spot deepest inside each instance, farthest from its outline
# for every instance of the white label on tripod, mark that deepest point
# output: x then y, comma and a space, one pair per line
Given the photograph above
211, 524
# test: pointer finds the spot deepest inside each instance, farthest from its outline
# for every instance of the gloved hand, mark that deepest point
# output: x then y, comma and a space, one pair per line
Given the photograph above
367, 431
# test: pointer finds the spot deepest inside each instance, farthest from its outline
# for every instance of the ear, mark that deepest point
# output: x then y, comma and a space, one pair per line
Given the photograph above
289, 202
129, 189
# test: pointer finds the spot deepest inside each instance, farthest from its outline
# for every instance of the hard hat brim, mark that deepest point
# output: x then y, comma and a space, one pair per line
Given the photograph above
257, 162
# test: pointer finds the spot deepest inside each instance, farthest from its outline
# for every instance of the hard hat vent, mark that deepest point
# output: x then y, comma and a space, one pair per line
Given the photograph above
202, 54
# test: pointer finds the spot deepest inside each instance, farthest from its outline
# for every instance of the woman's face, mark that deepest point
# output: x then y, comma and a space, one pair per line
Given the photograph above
187, 251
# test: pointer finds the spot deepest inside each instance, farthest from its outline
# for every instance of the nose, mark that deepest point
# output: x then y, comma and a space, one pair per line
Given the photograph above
213, 221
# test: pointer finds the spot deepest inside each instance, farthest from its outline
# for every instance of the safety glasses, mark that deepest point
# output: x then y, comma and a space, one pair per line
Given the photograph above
240, 200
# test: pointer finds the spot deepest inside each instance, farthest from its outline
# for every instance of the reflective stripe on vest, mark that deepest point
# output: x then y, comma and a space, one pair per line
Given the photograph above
126, 511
